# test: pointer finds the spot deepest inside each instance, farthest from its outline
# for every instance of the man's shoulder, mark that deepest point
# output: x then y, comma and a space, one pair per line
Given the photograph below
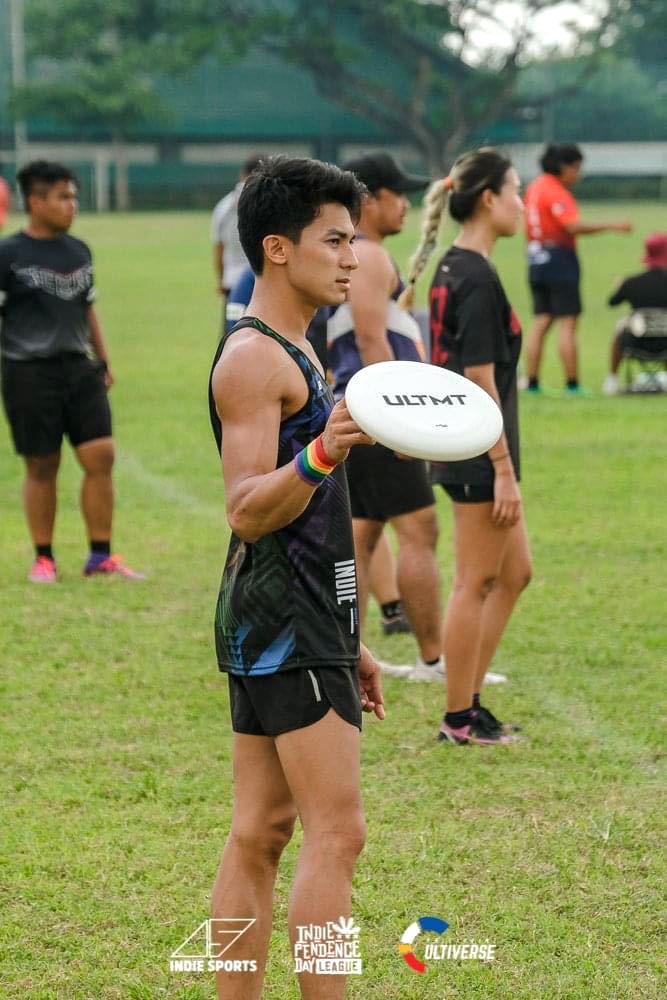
374, 259
10, 244
74, 243
226, 202
249, 365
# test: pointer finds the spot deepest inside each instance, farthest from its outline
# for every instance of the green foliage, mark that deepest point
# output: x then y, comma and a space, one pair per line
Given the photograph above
115, 751
415, 68
99, 59
623, 100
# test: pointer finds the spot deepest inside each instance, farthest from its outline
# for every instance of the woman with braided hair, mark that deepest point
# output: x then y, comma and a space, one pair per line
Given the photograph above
475, 332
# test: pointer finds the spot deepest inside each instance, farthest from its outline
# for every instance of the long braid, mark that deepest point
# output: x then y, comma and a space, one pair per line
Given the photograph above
434, 205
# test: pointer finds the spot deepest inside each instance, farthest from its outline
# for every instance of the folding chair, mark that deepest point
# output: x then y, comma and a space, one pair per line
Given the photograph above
644, 341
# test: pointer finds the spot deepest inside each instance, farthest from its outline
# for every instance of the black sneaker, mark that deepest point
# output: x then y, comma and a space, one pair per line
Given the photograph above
490, 722
475, 732
395, 625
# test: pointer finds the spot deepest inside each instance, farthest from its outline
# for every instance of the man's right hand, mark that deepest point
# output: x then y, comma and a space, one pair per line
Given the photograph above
341, 433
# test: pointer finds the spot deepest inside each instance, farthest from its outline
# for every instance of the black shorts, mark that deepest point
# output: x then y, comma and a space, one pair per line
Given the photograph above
383, 486
293, 699
46, 399
556, 298
469, 492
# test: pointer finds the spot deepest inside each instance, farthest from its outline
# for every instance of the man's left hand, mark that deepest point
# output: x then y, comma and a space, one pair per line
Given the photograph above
370, 685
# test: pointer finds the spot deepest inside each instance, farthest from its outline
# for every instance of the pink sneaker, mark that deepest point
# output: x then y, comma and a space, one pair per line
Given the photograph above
108, 565
43, 570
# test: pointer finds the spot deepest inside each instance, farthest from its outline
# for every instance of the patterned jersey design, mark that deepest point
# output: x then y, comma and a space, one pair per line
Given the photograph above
286, 600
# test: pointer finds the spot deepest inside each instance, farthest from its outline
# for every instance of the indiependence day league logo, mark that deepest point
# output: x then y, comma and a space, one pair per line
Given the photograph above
203, 950
331, 949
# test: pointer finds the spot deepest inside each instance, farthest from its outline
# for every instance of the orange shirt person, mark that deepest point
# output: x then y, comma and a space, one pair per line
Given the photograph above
552, 224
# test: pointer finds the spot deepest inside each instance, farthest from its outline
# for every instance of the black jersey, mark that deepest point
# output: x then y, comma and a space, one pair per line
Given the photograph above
289, 599
472, 323
643, 291
46, 288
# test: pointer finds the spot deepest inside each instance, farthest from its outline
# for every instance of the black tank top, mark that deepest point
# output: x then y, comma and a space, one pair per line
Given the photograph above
289, 599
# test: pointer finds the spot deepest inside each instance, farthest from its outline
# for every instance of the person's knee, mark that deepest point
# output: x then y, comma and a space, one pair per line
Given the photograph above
261, 845
522, 577
343, 838
43, 468
476, 588
418, 530
518, 579
98, 459
366, 537
347, 841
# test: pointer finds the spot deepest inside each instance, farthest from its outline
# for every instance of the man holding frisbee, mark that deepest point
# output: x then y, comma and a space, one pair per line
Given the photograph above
55, 368
286, 621
384, 486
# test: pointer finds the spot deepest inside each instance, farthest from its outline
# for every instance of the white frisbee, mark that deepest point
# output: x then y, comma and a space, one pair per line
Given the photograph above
423, 411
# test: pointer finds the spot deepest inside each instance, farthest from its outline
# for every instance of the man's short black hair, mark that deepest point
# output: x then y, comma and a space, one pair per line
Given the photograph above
251, 164
284, 194
556, 156
38, 176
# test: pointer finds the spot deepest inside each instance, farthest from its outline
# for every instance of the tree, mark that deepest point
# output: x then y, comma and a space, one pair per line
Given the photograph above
436, 72
98, 59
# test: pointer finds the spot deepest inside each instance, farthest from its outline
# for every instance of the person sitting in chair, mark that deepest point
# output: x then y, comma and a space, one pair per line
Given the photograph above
645, 330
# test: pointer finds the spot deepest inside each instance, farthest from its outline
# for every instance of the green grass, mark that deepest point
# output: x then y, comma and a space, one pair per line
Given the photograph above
115, 749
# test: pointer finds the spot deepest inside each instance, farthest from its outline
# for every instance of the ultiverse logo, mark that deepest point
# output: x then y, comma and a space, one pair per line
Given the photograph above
424, 400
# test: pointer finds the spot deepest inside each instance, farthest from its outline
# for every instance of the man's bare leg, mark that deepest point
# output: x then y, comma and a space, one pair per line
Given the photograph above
366, 536
96, 459
382, 572
321, 765
535, 344
567, 346
418, 579
262, 824
39, 496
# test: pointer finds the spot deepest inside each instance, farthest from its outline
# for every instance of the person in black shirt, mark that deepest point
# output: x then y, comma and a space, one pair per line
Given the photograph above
287, 623
475, 332
55, 367
647, 290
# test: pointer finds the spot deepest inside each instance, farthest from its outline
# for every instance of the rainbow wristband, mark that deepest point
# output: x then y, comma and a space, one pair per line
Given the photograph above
313, 465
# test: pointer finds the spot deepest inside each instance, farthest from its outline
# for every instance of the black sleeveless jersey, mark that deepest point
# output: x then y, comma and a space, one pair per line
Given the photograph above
289, 600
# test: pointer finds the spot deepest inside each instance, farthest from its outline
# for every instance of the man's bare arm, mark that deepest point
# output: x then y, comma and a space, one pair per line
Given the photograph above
99, 344
250, 387
219, 264
370, 290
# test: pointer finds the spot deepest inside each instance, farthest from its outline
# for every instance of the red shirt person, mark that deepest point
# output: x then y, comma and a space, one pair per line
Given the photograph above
5, 202
552, 226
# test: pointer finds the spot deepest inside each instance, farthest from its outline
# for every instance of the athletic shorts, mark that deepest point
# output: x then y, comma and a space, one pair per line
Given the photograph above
383, 486
45, 400
556, 298
293, 699
468, 492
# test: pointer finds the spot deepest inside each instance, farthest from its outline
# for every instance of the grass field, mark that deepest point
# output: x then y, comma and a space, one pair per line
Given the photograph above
115, 750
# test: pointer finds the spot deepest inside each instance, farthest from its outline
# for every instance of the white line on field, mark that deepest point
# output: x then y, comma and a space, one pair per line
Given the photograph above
167, 489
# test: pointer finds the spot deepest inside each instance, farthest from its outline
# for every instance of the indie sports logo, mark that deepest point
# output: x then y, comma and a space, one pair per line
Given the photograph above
433, 924
203, 950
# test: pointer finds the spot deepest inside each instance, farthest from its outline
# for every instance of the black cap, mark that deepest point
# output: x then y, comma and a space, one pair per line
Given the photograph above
380, 170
